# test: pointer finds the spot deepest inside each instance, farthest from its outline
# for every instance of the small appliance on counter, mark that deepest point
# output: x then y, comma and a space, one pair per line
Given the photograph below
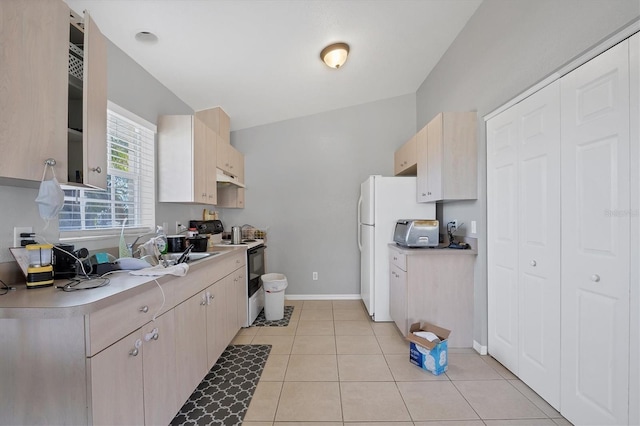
65, 260
207, 233
40, 269
416, 233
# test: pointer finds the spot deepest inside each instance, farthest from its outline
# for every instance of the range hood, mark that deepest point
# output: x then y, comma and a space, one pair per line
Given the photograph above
224, 179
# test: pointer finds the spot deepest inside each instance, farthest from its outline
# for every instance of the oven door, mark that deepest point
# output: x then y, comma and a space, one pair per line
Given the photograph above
255, 266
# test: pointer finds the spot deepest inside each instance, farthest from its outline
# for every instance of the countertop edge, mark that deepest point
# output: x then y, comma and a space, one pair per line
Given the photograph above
19, 303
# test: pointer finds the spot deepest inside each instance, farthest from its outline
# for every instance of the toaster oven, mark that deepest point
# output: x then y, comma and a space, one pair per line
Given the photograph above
417, 233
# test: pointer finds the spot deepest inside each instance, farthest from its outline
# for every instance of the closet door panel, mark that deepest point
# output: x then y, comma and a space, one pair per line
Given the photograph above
634, 373
595, 240
502, 205
539, 242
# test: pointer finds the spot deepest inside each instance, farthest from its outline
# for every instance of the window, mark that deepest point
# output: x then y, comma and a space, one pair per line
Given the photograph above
130, 190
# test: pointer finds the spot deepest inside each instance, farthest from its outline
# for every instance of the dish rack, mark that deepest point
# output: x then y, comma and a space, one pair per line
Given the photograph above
251, 233
76, 60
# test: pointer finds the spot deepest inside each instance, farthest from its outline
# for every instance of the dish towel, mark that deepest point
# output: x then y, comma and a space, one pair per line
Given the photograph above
179, 270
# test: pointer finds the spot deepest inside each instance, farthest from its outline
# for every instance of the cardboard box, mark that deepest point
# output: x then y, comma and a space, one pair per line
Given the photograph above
430, 356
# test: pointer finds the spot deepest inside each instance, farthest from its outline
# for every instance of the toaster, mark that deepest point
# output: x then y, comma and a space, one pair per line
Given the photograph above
417, 233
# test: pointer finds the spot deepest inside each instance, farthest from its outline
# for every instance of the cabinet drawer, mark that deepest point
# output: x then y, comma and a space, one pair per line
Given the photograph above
110, 324
398, 259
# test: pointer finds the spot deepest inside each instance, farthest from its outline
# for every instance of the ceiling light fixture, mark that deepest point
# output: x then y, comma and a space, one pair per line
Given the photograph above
335, 55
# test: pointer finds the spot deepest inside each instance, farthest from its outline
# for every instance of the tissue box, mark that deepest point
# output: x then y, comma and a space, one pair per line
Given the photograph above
428, 355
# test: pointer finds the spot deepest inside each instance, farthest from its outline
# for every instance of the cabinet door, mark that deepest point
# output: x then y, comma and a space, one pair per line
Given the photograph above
116, 381
222, 152
94, 106
398, 298
199, 161
216, 321
242, 299
502, 238
159, 370
210, 158
422, 179
595, 240
434, 158
539, 242
236, 163
191, 344
231, 305
34, 70
405, 158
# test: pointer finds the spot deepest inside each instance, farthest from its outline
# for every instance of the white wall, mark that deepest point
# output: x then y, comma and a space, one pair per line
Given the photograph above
303, 181
506, 47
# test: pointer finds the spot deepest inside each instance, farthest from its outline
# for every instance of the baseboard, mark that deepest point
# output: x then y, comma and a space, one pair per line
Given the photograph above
482, 350
322, 296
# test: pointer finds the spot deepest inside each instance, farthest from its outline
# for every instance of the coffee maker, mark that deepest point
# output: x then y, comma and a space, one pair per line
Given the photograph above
65, 260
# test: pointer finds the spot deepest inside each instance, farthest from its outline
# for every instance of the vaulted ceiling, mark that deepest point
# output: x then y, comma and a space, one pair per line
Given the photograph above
260, 59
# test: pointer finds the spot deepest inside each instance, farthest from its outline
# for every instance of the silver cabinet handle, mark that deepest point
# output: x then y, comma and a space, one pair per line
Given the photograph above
155, 336
533, 263
144, 309
96, 169
595, 278
136, 348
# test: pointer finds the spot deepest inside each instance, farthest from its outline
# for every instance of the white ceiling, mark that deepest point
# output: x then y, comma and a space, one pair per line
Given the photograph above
259, 59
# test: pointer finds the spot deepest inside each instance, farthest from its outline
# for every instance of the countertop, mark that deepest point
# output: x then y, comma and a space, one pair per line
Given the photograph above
439, 250
52, 302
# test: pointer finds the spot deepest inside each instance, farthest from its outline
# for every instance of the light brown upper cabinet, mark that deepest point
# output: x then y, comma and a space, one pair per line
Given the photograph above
87, 125
404, 159
447, 158
33, 105
217, 120
186, 160
230, 160
46, 111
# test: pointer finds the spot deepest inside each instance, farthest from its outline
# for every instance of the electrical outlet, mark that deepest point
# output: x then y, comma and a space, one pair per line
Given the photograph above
474, 228
455, 223
19, 230
315, 276
178, 226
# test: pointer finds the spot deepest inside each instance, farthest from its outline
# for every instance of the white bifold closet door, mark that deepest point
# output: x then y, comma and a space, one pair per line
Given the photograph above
524, 236
595, 240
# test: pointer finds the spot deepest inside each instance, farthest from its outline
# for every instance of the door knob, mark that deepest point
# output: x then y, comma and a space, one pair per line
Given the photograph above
533, 263
595, 278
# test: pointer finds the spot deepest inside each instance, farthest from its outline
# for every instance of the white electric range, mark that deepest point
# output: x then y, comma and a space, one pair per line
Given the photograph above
255, 269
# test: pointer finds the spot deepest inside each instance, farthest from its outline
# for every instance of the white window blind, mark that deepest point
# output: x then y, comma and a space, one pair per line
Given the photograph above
130, 190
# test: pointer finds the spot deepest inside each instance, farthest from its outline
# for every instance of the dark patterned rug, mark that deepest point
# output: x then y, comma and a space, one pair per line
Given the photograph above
223, 396
261, 320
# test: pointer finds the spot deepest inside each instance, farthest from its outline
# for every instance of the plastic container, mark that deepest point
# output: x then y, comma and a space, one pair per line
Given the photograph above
39, 254
161, 240
274, 287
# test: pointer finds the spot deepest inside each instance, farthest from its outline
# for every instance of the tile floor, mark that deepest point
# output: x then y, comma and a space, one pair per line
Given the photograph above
332, 364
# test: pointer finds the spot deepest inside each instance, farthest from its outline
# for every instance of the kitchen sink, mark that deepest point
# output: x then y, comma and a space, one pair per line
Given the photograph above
193, 257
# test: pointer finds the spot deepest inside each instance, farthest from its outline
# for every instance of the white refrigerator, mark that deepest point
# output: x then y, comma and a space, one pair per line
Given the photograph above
383, 200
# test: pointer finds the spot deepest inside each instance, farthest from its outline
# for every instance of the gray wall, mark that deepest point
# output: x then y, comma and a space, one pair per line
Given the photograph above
303, 181
506, 47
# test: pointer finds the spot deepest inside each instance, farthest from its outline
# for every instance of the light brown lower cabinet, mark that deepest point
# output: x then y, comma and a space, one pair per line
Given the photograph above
125, 368
138, 376
433, 285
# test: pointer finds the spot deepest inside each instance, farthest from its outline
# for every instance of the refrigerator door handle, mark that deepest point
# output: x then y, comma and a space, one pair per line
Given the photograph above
359, 223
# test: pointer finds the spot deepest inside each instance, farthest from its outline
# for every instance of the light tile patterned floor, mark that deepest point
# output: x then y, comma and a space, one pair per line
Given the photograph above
333, 366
